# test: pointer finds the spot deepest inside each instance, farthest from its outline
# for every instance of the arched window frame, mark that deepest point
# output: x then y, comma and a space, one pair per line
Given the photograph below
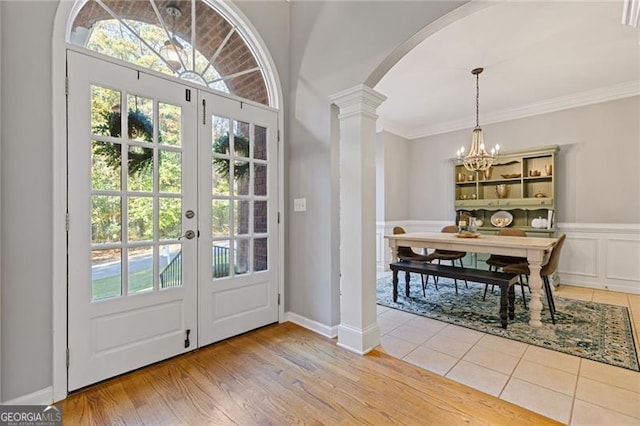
242, 27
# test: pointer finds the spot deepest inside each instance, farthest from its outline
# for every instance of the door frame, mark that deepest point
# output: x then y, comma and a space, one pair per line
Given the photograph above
59, 47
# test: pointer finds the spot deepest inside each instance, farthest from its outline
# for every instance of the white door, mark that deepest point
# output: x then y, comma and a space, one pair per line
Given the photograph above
132, 186
172, 226
238, 285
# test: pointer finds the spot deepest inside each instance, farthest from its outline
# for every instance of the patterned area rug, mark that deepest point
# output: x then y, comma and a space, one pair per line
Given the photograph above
596, 331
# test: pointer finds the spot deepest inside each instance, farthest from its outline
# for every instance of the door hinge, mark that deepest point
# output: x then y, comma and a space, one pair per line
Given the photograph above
66, 86
67, 358
278, 217
278, 299
278, 135
67, 221
187, 343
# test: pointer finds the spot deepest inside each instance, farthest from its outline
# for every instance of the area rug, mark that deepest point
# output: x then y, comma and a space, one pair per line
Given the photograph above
591, 330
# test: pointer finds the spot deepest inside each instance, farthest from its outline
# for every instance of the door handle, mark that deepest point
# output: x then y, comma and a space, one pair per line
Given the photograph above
189, 235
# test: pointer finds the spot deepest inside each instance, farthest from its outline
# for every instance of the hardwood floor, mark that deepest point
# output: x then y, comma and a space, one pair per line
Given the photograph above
284, 374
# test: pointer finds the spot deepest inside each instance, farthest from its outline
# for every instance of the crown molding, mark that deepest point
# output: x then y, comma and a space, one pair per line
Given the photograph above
610, 93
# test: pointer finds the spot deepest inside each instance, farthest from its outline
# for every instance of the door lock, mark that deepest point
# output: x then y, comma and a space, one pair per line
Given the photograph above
189, 214
189, 235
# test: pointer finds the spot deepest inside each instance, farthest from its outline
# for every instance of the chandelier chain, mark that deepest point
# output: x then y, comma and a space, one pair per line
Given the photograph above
478, 100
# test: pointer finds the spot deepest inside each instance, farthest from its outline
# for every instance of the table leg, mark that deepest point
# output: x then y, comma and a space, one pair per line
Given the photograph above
395, 285
407, 281
535, 284
504, 302
512, 302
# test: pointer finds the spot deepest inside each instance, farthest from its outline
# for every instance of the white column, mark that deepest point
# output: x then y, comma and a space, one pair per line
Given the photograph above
358, 330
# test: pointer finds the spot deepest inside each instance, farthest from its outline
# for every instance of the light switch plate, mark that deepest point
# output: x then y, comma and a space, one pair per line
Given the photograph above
299, 204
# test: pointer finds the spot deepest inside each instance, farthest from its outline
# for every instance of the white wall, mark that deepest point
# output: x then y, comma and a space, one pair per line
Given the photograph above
334, 46
398, 177
597, 169
26, 197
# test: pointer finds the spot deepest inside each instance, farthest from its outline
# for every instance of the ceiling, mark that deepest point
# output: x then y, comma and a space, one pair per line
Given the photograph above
537, 57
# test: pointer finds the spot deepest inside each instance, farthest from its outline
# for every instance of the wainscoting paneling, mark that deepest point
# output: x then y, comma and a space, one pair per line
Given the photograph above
575, 251
623, 259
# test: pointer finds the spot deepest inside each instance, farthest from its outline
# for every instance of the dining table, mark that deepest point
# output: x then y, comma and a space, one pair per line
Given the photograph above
535, 249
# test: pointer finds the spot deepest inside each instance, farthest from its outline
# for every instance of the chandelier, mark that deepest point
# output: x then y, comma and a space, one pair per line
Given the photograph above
478, 159
172, 51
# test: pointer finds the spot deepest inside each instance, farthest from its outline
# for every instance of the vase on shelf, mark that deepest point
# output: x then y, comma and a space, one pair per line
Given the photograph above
548, 169
487, 173
502, 190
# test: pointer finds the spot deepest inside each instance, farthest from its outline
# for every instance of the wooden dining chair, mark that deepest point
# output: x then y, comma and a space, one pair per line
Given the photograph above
407, 254
547, 270
496, 261
449, 255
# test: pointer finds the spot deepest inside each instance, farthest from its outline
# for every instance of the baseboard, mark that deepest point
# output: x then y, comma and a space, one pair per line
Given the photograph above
360, 341
41, 397
315, 326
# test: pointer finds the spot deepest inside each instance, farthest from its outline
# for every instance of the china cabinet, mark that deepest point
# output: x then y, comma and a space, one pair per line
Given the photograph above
522, 183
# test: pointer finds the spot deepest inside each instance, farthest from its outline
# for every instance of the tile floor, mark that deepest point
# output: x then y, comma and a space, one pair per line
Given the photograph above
570, 389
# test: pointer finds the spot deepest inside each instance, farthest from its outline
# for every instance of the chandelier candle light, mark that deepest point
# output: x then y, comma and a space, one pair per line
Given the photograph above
478, 159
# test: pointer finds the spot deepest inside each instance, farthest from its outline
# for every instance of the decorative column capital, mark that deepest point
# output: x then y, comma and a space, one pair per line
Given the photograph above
359, 100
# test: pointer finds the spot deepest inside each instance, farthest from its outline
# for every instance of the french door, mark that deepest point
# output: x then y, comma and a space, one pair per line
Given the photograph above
168, 250
238, 259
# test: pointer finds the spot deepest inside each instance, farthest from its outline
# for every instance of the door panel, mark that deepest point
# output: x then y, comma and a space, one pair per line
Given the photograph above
238, 252
132, 278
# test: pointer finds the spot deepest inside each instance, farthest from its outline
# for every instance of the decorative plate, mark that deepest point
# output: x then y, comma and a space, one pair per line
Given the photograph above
501, 219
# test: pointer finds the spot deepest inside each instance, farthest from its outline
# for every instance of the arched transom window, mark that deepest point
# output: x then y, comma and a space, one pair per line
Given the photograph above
190, 39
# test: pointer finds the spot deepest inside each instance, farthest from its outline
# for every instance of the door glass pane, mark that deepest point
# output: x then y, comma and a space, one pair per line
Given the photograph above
220, 135
220, 218
220, 261
140, 269
260, 217
170, 171
242, 255
106, 215
140, 219
241, 178
220, 176
105, 112
140, 163
241, 139
105, 166
170, 266
260, 179
260, 143
260, 254
170, 218
169, 124
106, 274
140, 118
241, 217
